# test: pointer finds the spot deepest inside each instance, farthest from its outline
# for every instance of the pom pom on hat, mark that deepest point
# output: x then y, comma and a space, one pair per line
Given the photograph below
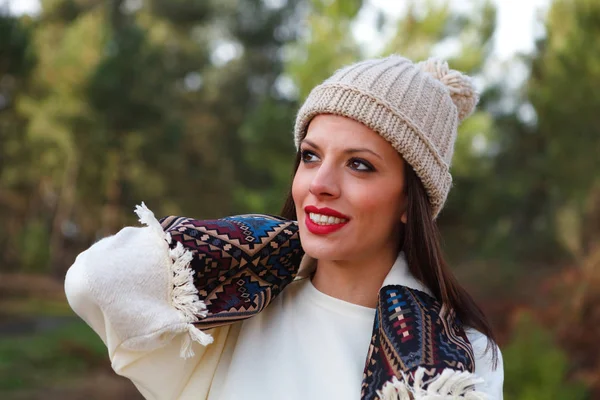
460, 86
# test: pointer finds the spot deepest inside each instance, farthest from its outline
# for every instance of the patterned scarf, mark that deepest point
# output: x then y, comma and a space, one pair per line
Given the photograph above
229, 269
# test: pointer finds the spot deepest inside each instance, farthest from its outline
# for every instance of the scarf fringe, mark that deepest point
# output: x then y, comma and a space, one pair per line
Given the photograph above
184, 295
449, 385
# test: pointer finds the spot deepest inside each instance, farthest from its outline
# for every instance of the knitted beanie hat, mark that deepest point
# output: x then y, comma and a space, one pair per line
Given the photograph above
415, 107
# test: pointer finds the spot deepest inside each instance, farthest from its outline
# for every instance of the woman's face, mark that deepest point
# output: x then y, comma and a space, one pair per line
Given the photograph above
348, 191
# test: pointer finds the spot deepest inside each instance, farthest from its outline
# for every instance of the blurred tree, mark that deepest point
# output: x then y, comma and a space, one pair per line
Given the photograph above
569, 125
133, 94
535, 367
156, 101
225, 101
17, 60
423, 26
59, 118
260, 148
541, 206
563, 88
313, 39
327, 43
551, 212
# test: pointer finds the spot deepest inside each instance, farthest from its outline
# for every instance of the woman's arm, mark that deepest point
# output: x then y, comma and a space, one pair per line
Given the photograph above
122, 287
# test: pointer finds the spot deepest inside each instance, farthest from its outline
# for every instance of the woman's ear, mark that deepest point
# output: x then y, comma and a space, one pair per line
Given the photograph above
404, 209
403, 217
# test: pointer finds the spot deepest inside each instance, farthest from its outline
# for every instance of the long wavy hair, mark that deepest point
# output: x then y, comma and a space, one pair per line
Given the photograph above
420, 242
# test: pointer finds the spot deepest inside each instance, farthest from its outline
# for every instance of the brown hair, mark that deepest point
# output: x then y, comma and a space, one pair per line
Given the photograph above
420, 242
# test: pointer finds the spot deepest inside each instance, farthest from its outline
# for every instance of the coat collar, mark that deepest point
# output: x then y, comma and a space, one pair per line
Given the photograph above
399, 274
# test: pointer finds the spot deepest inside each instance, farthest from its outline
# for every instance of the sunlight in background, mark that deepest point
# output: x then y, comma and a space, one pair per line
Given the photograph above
517, 29
22, 6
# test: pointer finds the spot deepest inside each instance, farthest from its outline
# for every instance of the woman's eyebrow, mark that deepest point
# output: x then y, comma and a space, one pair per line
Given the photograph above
362, 149
349, 151
312, 144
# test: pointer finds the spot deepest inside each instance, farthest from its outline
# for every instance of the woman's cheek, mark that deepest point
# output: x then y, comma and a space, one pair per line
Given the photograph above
300, 191
297, 189
370, 199
378, 205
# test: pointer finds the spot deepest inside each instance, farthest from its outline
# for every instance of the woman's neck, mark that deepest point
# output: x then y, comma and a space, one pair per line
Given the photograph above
354, 281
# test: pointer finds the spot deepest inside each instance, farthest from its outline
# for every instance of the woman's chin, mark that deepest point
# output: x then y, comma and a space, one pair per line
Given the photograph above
322, 251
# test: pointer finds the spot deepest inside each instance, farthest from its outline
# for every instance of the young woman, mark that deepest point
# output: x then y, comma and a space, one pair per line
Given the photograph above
230, 309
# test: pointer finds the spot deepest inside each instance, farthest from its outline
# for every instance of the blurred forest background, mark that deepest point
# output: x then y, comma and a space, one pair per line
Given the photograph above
189, 106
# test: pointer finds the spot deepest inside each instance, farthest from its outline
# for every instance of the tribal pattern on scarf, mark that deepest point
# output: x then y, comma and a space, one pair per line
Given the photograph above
239, 264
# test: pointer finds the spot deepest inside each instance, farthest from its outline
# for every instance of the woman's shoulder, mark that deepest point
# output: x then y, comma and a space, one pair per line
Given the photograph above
488, 362
479, 340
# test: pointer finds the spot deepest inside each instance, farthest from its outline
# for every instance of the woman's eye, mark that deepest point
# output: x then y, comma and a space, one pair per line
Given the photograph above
361, 165
308, 156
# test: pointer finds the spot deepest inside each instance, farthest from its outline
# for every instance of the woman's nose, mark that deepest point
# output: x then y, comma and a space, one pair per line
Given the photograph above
325, 182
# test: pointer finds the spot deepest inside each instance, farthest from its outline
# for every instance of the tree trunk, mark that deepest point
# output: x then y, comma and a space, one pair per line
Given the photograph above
64, 211
112, 207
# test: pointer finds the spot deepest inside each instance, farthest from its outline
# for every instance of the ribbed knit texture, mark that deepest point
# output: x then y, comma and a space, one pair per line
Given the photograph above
415, 107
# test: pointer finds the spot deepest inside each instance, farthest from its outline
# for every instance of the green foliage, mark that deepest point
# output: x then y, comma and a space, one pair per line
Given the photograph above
49, 358
329, 44
17, 59
267, 138
535, 367
34, 247
114, 103
424, 25
336, 10
129, 80
127, 103
474, 32
535, 201
563, 89
15, 49
183, 12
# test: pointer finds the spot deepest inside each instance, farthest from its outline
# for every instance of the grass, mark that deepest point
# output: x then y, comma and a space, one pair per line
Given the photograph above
67, 361
23, 307
50, 358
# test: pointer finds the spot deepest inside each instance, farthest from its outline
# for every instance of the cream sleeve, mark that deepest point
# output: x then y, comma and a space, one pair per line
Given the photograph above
123, 288
484, 366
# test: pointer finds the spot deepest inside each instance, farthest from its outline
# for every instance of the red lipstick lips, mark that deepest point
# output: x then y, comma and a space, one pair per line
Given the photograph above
323, 229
